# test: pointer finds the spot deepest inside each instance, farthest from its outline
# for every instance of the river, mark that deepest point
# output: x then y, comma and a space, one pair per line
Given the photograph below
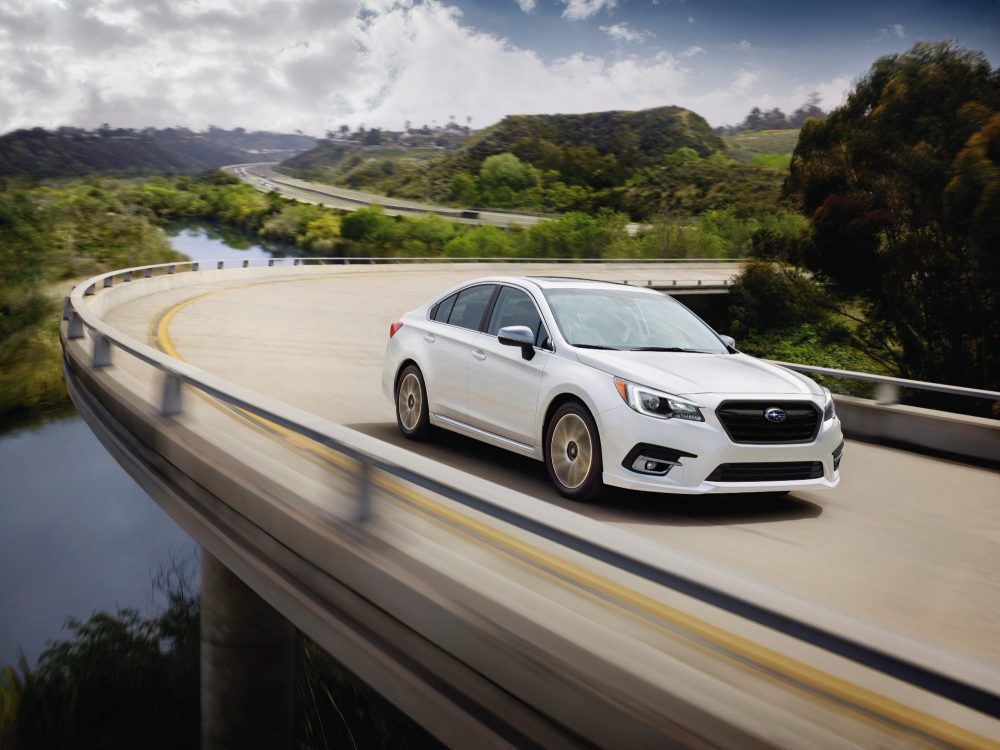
78, 534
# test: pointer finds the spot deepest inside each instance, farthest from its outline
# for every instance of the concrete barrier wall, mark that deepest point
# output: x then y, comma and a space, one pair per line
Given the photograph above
951, 435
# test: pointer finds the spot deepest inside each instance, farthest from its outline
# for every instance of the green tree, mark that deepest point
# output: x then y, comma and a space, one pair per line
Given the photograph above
480, 242
502, 177
900, 186
365, 225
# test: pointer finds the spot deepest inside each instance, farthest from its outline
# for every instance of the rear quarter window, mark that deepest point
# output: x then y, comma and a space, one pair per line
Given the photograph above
442, 309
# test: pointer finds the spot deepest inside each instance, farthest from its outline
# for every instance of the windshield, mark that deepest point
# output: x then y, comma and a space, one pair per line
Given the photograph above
629, 319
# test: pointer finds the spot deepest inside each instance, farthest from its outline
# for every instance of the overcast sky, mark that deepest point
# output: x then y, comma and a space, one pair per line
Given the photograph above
315, 64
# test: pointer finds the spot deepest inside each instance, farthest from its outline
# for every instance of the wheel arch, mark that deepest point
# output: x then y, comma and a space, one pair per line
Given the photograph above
554, 404
399, 371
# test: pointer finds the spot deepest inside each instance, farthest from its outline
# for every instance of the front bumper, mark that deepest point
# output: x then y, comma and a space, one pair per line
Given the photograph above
621, 429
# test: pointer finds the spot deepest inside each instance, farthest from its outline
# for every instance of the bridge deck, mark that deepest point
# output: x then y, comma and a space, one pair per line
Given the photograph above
907, 541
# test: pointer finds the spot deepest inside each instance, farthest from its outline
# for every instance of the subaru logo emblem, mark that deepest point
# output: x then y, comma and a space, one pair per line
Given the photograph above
775, 414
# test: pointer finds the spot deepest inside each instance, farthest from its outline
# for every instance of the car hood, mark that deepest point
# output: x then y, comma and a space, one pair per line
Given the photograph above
688, 373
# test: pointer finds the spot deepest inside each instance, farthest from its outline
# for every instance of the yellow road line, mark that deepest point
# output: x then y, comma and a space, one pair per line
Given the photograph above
772, 661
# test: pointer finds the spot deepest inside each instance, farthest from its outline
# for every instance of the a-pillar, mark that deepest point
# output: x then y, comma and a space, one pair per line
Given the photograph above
247, 665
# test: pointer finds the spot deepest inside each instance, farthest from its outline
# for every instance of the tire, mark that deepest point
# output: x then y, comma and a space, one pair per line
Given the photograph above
573, 453
412, 414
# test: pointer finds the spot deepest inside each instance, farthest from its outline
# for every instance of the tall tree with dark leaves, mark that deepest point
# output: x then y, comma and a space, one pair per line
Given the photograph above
902, 185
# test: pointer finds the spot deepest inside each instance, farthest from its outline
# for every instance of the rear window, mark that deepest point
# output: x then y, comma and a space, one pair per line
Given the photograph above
468, 309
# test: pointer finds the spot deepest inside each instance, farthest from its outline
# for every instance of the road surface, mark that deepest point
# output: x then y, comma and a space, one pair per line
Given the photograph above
908, 542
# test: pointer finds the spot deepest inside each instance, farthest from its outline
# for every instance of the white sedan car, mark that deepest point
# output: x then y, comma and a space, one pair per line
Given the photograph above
608, 385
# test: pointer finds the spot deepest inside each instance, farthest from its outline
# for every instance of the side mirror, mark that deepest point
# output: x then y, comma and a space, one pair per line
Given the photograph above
519, 336
728, 341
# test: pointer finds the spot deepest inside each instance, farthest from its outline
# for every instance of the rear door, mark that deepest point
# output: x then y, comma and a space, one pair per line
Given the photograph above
451, 341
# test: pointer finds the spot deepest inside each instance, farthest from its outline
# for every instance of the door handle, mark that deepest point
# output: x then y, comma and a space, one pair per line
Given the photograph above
479, 354
429, 338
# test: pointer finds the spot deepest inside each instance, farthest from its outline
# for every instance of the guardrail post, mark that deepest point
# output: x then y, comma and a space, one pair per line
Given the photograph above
365, 492
194, 266
108, 281
102, 351
89, 291
147, 273
886, 393
127, 276
295, 262
75, 328
171, 402
67, 308
170, 269
270, 262
219, 265
246, 264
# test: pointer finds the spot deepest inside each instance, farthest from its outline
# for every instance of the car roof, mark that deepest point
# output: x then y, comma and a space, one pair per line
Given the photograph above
559, 282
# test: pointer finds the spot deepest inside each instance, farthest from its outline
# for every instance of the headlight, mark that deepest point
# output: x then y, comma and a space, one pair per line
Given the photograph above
828, 405
656, 403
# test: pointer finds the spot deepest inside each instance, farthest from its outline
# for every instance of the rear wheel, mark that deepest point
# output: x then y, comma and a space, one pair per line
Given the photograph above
573, 453
412, 414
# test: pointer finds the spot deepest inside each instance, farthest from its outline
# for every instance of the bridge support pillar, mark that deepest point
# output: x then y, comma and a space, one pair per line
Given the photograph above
247, 665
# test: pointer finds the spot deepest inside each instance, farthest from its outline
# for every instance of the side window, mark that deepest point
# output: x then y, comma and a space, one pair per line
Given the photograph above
442, 309
468, 309
514, 308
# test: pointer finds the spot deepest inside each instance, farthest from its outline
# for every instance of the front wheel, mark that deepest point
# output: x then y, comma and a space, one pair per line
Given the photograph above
411, 404
573, 453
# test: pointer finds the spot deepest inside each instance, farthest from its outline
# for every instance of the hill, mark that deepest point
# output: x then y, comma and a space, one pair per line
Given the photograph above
70, 152
764, 148
552, 163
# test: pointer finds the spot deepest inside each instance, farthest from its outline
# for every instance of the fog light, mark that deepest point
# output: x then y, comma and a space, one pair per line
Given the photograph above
656, 466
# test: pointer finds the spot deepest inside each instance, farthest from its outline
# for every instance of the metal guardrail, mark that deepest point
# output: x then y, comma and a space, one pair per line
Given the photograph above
888, 388
346, 442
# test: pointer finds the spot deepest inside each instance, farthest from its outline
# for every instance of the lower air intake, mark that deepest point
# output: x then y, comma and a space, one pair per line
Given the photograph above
780, 471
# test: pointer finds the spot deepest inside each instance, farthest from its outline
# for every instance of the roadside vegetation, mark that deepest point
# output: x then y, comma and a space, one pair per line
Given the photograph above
124, 680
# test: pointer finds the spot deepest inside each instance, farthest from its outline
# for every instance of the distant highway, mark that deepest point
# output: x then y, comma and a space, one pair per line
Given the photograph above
263, 176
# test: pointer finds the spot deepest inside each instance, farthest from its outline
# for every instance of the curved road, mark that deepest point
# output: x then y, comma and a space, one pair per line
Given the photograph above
907, 541
264, 177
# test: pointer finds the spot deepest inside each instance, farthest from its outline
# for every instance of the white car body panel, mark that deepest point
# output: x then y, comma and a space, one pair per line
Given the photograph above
486, 390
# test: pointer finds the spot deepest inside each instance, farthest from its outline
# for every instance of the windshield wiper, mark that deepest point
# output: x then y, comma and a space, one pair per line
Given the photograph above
597, 346
666, 349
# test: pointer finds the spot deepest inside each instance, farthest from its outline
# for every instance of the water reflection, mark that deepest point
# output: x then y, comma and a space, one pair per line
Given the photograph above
218, 242
78, 535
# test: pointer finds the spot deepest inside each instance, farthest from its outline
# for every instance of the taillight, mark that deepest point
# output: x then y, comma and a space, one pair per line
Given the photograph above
395, 327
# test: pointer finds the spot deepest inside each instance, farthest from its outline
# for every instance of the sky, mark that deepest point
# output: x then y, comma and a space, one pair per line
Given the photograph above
313, 65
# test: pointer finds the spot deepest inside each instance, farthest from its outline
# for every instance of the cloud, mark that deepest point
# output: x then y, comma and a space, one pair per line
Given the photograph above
895, 30
527, 6
316, 64
579, 10
621, 32
743, 45
692, 51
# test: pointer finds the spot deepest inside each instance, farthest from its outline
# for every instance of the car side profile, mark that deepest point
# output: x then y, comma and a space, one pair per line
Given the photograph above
609, 385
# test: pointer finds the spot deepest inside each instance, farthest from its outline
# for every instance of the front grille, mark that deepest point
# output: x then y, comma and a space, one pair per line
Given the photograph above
775, 471
744, 421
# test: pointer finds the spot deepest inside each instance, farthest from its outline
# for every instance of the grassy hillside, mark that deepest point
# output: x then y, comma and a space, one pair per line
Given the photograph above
69, 152
662, 161
378, 169
764, 148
